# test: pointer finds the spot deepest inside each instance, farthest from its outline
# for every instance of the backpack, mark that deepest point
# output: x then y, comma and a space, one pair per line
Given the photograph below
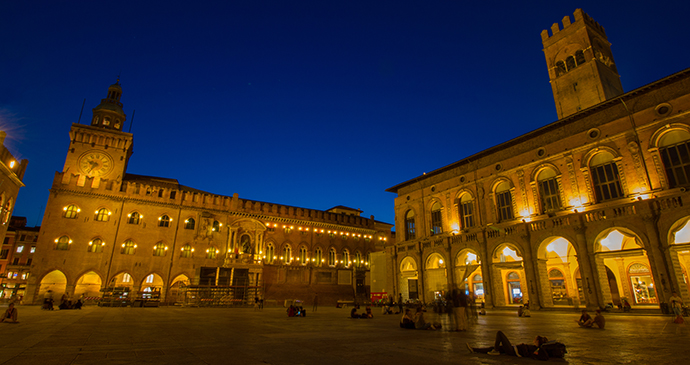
554, 349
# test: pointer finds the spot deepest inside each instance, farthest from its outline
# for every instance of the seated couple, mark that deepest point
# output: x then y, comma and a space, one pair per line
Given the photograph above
587, 321
408, 321
366, 315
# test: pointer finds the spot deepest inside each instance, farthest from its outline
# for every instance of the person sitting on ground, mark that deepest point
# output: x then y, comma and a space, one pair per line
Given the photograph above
502, 346
368, 314
78, 304
521, 311
291, 311
407, 321
420, 323
598, 320
584, 317
387, 309
10, 315
353, 313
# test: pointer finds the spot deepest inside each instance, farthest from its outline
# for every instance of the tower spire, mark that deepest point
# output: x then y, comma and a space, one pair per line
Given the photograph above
109, 114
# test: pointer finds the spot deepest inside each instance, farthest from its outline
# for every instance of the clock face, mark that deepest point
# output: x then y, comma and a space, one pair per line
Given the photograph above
95, 163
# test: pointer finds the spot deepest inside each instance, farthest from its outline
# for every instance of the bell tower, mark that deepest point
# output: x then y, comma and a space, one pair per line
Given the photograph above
100, 151
580, 63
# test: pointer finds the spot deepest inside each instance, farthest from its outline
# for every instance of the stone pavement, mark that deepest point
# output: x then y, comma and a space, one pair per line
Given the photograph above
175, 335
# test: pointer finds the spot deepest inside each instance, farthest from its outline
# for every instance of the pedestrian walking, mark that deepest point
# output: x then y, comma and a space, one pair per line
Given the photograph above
400, 303
677, 306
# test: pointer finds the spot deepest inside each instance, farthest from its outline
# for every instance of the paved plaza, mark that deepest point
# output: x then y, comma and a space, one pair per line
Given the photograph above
176, 335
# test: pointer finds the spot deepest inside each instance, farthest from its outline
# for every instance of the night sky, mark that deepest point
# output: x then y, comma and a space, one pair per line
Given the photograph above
306, 103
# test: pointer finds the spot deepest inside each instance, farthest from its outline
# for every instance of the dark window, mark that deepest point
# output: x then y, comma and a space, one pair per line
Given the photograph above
134, 218
96, 245
164, 221
189, 223
570, 63
6, 241
28, 261
560, 68
676, 159
606, 182
160, 193
505, 205
63, 243
579, 57
550, 199
4, 253
172, 194
436, 224
15, 261
467, 214
409, 226
22, 237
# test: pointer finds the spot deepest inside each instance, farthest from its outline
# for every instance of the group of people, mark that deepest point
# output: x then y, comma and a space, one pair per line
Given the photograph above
417, 321
588, 322
296, 311
366, 315
523, 311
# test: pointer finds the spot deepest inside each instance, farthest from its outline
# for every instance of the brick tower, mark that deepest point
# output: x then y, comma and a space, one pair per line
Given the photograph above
580, 63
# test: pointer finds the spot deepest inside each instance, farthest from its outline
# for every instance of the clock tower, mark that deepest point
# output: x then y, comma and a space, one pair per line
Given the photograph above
100, 151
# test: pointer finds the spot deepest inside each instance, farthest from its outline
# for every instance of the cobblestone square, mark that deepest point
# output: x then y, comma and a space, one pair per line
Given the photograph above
175, 335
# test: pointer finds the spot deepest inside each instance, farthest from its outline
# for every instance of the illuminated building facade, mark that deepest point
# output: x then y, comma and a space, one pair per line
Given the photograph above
17, 253
588, 210
11, 175
104, 228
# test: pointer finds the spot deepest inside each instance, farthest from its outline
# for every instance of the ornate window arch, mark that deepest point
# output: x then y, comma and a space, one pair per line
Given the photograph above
436, 218
134, 218
502, 192
63, 243
102, 215
190, 223
410, 232
270, 253
96, 245
466, 215
346, 258
332, 257
287, 254
71, 211
187, 251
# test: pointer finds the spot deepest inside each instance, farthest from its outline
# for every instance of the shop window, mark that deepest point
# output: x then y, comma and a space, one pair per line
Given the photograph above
675, 155
409, 225
559, 293
514, 288
548, 191
133, 218
504, 202
466, 211
96, 245
63, 243
159, 249
605, 177
164, 221
189, 223
71, 211
436, 225
478, 287
187, 251
642, 284
102, 215
128, 248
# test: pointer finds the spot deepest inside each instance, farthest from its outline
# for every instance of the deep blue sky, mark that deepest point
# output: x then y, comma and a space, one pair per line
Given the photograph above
305, 103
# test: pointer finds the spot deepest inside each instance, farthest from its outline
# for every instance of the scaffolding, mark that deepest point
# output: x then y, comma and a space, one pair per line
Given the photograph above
220, 296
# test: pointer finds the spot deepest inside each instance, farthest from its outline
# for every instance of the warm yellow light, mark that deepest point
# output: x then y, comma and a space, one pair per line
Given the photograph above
12, 164
524, 212
90, 243
281, 257
159, 218
322, 260
96, 212
102, 243
440, 261
141, 216
56, 240
70, 241
135, 246
123, 245
274, 257
129, 215
220, 224
109, 213
65, 208
291, 227
207, 250
182, 249
78, 210
192, 250
166, 248
217, 251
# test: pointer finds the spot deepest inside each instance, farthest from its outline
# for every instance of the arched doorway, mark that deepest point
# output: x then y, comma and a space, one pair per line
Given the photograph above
557, 262
55, 282
628, 272
408, 279
88, 286
176, 293
468, 272
151, 287
436, 283
508, 266
679, 246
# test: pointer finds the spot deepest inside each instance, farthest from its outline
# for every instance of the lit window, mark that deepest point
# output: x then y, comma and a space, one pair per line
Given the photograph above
270, 253
149, 279
159, 249
20, 249
346, 258
189, 223
186, 251
128, 248
467, 211
71, 211
504, 202
287, 253
126, 278
331, 257
303, 255
548, 191
164, 221
358, 259
317, 256
211, 252
134, 218
33, 249
63, 243
102, 215
96, 245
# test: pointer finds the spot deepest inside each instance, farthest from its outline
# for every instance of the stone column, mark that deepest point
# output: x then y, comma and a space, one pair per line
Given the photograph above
546, 296
656, 255
530, 266
487, 272
588, 275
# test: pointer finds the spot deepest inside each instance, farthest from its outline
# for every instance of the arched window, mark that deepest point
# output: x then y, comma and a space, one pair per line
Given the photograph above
133, 218
287, 254
159, 249
436, 225
96, 245
346, 258
504, 202
570, 62
164, 221
7, 213
71, 211
63, 243
303, 260
579, 58
189, 223
102, 215
211, 252
548, 191
409, 225
466, 210
128, 248
674, 148
149, 279
318, 257
358, 259
331, 258
605, 177
106, 120
270, 253
216, 226
187, 251
560, 68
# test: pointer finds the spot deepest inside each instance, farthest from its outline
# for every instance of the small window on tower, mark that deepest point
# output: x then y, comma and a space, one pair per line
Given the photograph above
95, 121
106, 121
579, 57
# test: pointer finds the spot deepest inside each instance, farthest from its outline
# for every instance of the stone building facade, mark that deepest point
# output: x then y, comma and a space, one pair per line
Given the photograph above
11, 176
104, 228
17, 253
586, 211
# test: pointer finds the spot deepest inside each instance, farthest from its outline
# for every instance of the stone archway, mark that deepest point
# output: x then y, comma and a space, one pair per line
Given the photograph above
508, 269
557, 264
152, 288
436, 282
176, 292
408, 279
89, 286
468, 274
53, 284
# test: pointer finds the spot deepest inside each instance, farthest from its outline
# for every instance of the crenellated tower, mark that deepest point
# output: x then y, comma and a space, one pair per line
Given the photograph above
580, 63
100, 151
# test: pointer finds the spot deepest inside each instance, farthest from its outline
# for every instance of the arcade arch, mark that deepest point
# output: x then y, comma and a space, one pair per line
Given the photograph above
468, 273
56, 282
408, 278
557, 261
508, 267
436, 283
89, 285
